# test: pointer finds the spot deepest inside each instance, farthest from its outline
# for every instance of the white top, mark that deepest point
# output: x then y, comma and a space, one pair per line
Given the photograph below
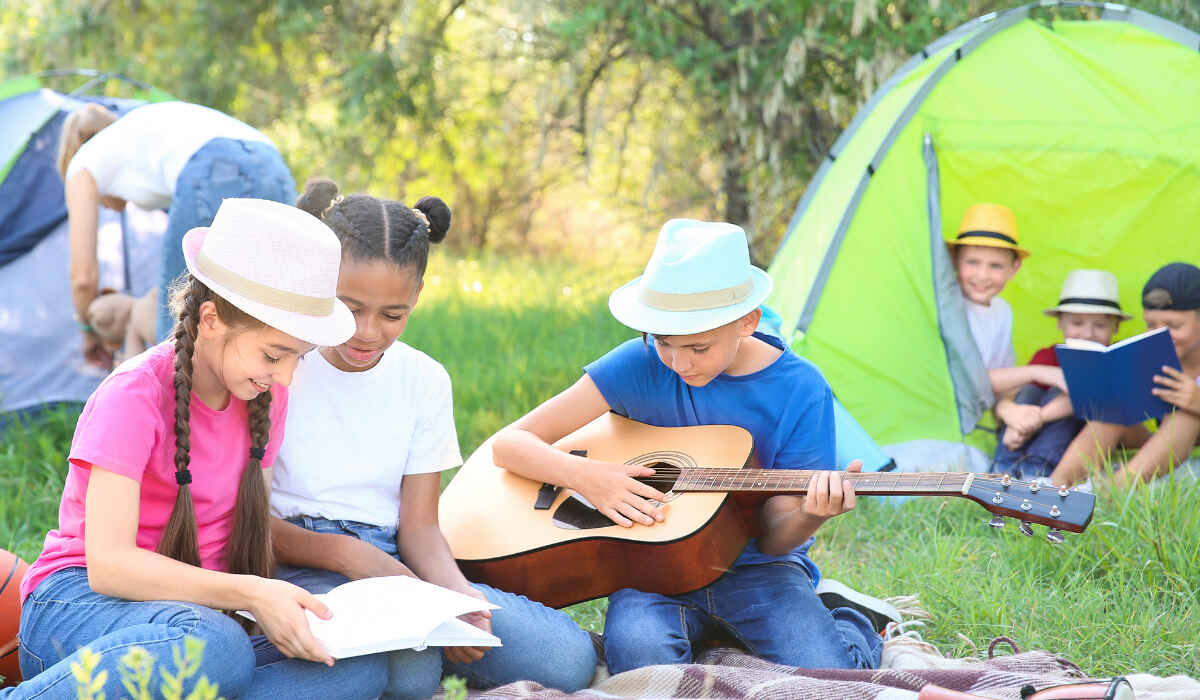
991, 327
352, 436
139, 156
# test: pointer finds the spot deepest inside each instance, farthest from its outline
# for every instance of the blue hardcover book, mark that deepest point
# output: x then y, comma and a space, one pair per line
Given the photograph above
1113, 383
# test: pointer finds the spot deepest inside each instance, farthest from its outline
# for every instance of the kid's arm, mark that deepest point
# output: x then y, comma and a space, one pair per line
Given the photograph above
525, 448
1058, 408
347, 555
788, 521
421, 543
83, 201
1170, 445
1006, 379
117, 567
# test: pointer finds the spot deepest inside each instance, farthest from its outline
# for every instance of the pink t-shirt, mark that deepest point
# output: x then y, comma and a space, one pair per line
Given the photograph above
127, 427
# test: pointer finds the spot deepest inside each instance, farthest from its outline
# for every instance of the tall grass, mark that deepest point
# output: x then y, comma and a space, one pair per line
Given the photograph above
1121, 597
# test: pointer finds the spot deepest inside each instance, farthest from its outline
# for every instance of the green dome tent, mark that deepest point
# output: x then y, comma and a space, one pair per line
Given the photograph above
1088, 129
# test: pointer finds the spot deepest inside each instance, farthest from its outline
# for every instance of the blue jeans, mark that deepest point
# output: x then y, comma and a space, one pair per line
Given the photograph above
63, 614
539, 643
1042, 452
222, 168
770, 609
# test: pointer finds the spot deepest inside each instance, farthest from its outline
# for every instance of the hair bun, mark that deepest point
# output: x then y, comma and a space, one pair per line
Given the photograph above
438, 213
317, 196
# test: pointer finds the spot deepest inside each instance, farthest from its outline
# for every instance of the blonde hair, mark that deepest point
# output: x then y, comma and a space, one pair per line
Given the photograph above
80, 125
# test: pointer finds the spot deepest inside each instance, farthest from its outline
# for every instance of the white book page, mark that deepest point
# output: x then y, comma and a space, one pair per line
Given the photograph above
396, 612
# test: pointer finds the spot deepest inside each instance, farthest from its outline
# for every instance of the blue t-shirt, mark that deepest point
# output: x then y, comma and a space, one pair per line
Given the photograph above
787, 407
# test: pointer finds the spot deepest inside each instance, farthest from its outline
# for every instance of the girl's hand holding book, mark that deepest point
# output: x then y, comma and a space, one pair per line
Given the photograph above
481, 619
278, 607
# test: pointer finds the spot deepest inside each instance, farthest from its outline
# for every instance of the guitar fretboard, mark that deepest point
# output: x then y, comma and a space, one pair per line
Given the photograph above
797, 481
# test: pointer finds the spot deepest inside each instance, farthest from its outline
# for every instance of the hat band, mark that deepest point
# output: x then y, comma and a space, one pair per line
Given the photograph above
255, 291
1090, 301
697, 301
987, 234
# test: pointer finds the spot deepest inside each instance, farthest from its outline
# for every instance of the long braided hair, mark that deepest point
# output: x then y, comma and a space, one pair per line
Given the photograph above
370, 228
248, 550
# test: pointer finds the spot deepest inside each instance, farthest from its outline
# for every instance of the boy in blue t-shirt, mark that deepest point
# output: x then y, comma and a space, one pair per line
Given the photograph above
700, 363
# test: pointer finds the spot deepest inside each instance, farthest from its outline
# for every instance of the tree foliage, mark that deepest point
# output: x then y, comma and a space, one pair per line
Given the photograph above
586, 120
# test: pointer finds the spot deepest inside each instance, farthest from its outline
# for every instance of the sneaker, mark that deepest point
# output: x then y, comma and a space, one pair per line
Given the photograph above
835, 594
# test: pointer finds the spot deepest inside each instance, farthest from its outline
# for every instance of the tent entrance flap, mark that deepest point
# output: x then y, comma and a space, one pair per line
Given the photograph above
972, 388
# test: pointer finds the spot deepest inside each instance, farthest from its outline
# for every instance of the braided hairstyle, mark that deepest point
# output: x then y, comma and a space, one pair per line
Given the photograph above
378, 229
248, 550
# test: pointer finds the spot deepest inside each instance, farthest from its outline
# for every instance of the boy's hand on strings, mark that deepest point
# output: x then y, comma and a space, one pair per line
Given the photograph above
829, 494
279, 607
611, 488
1178, 389
364, 560
481, 619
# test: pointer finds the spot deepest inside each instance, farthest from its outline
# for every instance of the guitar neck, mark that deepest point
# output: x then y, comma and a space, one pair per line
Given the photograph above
797, 481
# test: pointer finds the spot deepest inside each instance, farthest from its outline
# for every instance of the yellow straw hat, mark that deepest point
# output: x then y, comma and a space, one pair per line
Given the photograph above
990, 225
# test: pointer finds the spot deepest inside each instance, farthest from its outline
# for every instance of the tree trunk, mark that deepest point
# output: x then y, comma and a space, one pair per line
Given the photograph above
733, 187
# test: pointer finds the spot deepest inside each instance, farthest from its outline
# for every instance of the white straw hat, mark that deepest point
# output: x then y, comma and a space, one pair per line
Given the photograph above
275, 262
698, 278
1089, 292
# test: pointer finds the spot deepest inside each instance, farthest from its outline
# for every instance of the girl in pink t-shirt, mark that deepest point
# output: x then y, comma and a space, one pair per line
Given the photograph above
164, 518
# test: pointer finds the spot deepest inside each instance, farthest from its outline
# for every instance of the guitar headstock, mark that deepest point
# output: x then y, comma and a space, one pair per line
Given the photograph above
1058, 508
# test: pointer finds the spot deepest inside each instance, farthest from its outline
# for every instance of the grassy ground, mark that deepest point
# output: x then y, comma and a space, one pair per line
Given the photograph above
1121, 597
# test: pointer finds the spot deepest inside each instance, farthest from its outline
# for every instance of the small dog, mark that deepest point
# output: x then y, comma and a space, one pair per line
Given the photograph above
125, 324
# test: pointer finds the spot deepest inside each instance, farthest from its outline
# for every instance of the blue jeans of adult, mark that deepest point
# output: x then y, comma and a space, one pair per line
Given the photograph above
220, 169
1042, 452
772, 610
63, 615
539, 643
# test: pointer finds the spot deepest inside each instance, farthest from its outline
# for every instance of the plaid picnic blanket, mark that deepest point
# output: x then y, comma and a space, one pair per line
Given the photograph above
729, 673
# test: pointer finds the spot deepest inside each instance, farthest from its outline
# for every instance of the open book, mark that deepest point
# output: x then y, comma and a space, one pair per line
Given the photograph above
396, 612
1113, 383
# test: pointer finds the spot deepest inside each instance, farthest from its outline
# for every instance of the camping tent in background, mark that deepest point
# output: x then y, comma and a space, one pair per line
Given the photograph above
40, 346
1088, 129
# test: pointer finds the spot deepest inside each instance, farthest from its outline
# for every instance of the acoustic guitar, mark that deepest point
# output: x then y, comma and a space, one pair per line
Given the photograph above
551, 545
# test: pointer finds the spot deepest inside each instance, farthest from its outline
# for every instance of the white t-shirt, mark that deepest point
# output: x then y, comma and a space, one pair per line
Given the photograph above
139, 156
992, 328
352, 436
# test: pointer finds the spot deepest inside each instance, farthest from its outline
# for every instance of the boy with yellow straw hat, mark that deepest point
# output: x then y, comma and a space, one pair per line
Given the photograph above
986, 255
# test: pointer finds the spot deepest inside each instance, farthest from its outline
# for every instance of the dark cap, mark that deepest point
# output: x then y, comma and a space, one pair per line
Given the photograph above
1175, 287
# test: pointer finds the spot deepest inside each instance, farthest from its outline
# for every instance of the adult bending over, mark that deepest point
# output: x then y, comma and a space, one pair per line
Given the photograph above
177, 156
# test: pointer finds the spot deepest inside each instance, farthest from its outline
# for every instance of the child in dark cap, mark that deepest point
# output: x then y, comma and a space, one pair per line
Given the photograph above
1171, 299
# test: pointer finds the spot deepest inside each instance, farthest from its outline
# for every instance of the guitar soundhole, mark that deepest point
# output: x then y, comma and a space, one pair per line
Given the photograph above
576, 513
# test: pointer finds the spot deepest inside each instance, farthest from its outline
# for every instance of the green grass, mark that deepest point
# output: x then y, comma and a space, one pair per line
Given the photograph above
1120, 598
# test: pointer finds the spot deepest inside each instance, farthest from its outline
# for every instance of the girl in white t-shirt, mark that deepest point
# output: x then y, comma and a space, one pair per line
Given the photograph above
370, 428
177, 156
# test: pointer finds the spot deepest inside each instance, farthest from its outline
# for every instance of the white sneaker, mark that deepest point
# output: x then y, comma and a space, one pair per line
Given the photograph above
835, 594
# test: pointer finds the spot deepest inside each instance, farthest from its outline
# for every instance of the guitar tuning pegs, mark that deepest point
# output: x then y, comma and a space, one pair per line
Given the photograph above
1054, 536
997, 522
1025, 528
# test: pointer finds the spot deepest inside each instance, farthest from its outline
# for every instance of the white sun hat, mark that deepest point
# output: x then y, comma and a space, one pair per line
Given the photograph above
275, 262
1089, 292
698, 278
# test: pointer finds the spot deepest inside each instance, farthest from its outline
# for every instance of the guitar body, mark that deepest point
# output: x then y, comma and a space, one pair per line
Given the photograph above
565, 554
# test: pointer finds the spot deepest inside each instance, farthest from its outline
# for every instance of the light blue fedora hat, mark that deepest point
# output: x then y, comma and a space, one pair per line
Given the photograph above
698, 278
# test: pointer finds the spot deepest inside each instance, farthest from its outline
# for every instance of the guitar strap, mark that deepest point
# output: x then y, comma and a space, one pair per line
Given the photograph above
548, 492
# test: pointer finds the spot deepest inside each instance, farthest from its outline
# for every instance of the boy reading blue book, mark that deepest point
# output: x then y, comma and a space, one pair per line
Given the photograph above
1112, 383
